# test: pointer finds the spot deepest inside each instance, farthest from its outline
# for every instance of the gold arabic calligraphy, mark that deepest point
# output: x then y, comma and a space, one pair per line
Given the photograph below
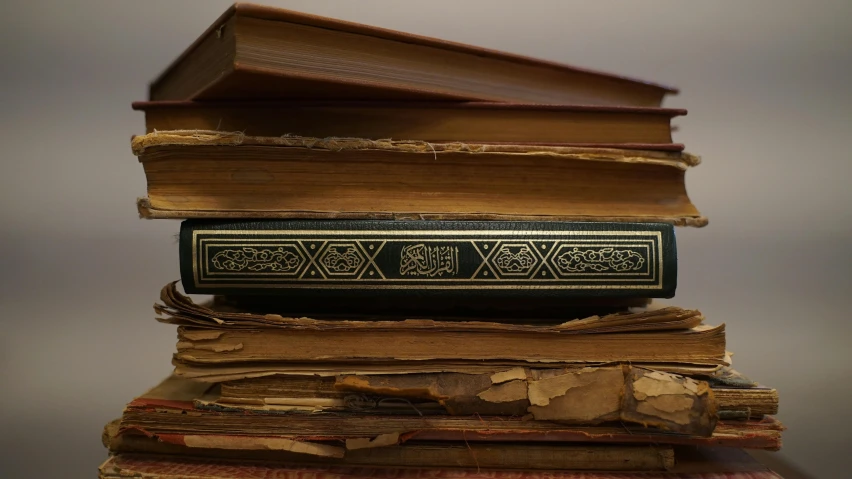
422, 260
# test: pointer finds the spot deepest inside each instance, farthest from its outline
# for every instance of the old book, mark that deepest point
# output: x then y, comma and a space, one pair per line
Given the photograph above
217, 373
259, 52
196, 174
754, 402
700, 345
508, 393
374, 260
179, 309
222, 343
224, 338
192, 416
441, 122
559, 456
692, 463
581, 396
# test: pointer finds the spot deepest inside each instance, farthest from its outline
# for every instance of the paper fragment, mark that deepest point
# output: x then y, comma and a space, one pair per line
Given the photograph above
216, 348
382, 440
504, 376
542, 391
263, 443
202, 335
515, 390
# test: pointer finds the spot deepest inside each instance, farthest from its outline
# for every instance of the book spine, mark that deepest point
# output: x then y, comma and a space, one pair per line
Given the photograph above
434, 259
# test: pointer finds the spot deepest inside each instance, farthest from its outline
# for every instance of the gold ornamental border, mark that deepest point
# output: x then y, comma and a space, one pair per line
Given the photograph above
653, 245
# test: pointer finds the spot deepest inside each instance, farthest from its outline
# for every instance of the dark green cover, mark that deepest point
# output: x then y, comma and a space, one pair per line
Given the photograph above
439, 259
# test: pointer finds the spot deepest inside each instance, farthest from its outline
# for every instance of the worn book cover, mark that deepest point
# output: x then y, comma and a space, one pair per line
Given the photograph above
437, 122
253, 51
214, 174
185, 407
692, 463
536, 456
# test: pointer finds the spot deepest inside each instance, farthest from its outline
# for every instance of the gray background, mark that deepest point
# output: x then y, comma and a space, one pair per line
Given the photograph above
767, 84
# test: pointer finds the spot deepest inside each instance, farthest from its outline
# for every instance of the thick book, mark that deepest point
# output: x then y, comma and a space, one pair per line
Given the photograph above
217, 347
437, 259
259, 52
580, 457
692, 463
593, 126
182, 407
214, 174
463, 394
579, 396
668, 339
224, 339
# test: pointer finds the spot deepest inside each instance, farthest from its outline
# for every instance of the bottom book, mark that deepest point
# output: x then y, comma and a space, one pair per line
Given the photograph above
524, 456
692, 463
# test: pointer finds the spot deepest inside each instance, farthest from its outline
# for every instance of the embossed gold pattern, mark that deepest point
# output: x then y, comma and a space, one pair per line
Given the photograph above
515, 259
343, 258
422, 260
601, 260
257, 259
456, 260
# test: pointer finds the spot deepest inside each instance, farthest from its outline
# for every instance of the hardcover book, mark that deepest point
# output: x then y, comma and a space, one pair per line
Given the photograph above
692, 463
438, 122
438, 259
180, 406
579, 457
196, 174
467, 394
260, 52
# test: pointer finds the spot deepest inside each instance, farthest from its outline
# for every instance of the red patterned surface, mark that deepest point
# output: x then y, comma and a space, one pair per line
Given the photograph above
151, 467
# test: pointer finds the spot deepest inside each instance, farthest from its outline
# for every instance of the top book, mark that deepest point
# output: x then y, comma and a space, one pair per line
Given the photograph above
254, 52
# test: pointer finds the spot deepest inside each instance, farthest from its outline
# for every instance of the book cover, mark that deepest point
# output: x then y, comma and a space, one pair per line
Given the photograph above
253, 51
440, 259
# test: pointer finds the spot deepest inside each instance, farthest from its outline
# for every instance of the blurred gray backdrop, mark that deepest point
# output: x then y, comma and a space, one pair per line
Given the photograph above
767, 85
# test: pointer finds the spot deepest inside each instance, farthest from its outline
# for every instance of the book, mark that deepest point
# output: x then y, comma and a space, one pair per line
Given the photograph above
667, 336
743, 402
210, 346
379, 259
581, 396
217, 373
215, 342
558, 456
440, 122
260, 52
192, 174
462, 394
693, 463
179, 406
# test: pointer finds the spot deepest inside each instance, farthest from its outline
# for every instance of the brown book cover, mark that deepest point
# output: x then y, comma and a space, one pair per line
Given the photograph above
190, 416
692, 463
440, 122
196, 174
699, 345
253, 51
580, 457
222, 338
462, 394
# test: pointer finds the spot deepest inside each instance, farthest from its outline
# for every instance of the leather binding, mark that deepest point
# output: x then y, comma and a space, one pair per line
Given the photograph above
231, 60
428, 260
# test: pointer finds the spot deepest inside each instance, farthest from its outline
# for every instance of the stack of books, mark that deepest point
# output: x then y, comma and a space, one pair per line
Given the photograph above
423, 258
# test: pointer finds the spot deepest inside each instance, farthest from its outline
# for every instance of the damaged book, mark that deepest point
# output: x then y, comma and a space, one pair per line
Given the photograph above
692, 463
215, 174
591, 405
